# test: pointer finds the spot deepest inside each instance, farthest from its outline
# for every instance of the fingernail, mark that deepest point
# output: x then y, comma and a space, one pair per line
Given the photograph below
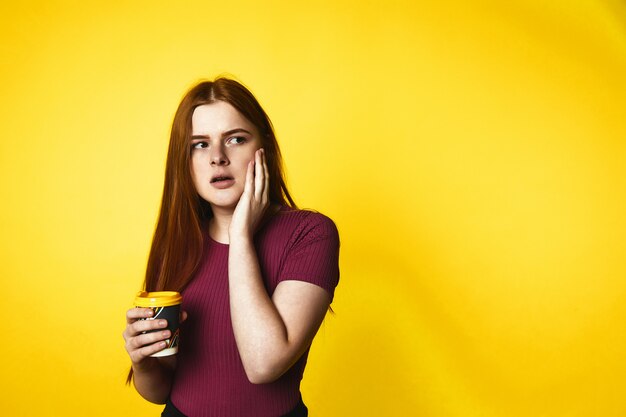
166, 333
162, 323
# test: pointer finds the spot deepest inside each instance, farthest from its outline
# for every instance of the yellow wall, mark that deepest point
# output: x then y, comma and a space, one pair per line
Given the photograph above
472, 155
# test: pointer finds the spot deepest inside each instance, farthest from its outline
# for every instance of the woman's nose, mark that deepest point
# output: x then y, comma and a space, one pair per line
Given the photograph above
218, 156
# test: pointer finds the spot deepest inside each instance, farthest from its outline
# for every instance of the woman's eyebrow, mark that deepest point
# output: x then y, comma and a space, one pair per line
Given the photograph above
200, 137
224, 134
236, 130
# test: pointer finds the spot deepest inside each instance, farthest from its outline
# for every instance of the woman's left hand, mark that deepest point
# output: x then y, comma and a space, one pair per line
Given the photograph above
254, 200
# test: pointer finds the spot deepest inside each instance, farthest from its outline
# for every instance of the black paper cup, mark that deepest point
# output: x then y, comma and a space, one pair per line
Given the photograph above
166, 305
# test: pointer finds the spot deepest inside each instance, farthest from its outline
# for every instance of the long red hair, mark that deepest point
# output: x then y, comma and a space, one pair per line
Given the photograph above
177, 244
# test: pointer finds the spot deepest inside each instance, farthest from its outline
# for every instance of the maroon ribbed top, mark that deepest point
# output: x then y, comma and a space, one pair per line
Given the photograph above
210, 380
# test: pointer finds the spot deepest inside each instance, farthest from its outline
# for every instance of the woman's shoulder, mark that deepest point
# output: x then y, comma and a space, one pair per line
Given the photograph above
306, 219
294, 225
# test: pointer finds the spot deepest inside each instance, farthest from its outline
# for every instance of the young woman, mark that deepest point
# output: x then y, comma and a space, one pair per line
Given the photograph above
257, 275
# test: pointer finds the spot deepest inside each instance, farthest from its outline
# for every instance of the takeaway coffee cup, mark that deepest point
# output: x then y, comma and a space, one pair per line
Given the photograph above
166, 305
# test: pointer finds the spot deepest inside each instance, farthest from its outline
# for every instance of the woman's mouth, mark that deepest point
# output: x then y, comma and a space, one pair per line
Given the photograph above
222, 182
220, 178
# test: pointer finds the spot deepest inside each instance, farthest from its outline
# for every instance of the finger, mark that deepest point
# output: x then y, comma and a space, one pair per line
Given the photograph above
266, 190
249, 184
146, 339
259, 175
140, 354
183, 316
142, 326
137, 313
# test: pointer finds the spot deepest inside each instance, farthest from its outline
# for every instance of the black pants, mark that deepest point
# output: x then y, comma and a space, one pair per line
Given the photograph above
299, 411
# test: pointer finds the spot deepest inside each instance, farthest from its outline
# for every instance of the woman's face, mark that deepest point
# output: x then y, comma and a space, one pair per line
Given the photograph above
223, 141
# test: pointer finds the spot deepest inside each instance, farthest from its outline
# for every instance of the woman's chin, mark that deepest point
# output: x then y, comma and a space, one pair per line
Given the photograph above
223, 203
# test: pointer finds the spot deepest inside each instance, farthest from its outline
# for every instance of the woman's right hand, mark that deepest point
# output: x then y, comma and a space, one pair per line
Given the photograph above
141, 339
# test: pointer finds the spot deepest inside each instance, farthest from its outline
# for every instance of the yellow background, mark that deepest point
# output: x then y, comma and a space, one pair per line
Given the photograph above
472, 155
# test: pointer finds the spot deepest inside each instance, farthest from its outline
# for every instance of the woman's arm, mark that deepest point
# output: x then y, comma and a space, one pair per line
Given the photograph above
152, 377
271, 334
153, 380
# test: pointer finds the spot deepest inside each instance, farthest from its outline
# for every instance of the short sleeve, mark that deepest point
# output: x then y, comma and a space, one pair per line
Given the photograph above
313, 253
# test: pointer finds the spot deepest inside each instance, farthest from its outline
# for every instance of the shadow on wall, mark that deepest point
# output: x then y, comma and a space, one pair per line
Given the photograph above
398, 349
375, 360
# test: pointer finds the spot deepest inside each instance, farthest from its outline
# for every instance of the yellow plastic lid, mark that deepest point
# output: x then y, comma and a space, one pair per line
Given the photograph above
157, 298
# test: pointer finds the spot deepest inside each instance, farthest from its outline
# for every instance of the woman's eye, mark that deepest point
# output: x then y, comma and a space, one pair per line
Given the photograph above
200, 145
237, 140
